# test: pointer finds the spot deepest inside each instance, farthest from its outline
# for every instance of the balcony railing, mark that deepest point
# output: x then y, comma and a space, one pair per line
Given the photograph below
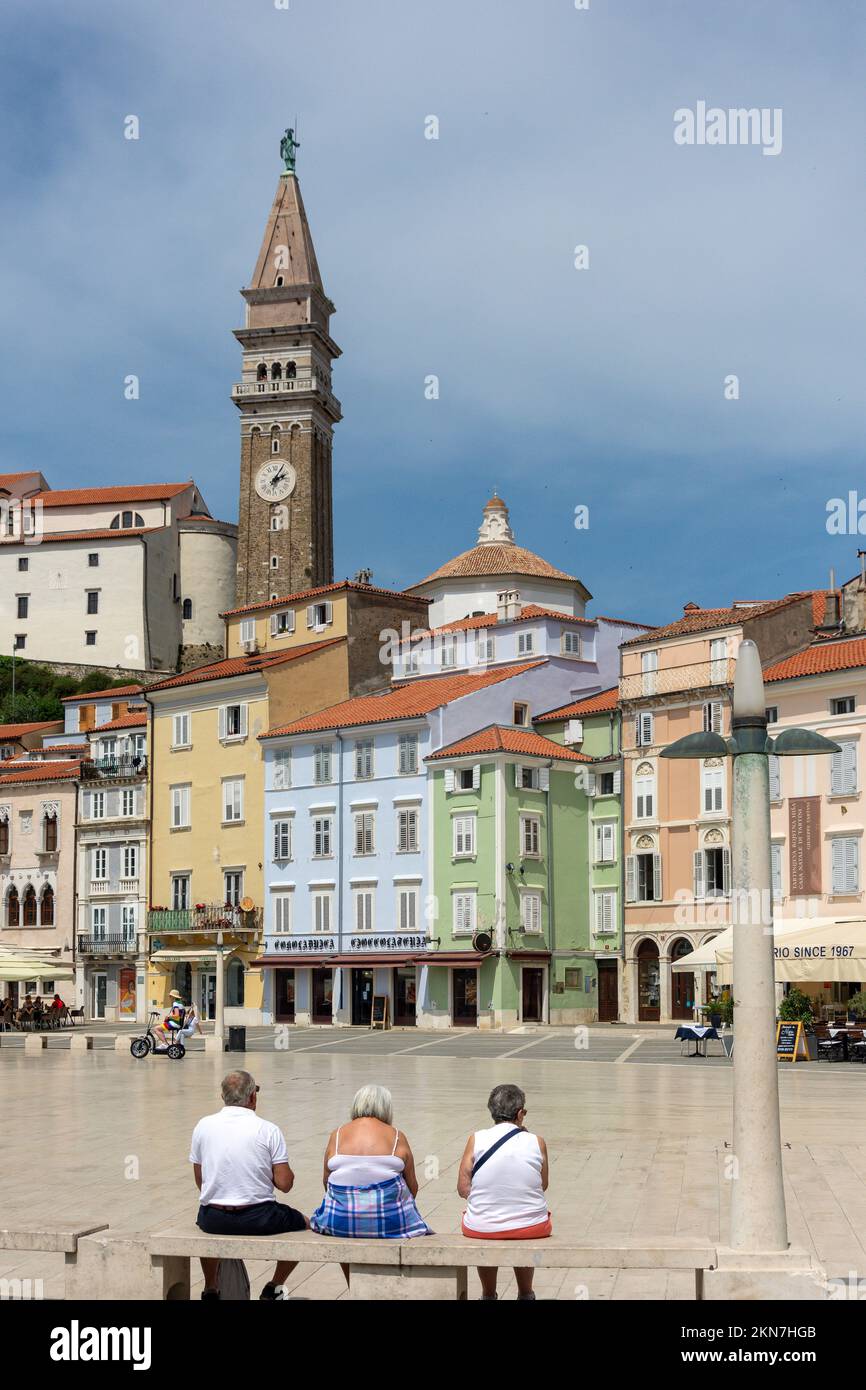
132, 765
275, 388
694, 675
209, 917
117, 944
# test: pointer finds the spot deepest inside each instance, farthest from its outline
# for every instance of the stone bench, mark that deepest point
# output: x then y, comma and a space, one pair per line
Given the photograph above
60, 1238
427, 1267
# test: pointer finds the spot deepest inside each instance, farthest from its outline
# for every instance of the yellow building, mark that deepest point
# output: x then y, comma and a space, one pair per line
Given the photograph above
286, 658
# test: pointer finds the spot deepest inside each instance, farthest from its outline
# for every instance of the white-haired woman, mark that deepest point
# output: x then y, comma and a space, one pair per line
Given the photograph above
369, 1176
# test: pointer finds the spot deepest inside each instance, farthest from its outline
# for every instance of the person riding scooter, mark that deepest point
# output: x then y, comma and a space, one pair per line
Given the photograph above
172, 1025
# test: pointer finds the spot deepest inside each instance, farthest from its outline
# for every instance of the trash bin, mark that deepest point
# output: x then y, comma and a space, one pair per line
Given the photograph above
237, 1040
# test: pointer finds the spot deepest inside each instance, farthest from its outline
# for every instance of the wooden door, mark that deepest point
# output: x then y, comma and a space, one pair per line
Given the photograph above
608, 1002
532, 994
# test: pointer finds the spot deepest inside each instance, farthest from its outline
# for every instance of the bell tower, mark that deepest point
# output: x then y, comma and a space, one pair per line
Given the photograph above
288, 411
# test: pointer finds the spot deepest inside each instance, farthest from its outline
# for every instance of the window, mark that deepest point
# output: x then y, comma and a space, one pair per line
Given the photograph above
718, 660
713, 717
282, 912
233, 886
407, 909
322, 828
23, 564
322, 911
521, 714
604, 913
23, 605
712, 872
248, 630
643, 878
180, 892
275, 562
92, 600
407, 757
364, 909
606, 783
90, 639
180, 819
776, 867
713, 786
571, 643
530, 836
574, 979
46, 914
180, 725
649, 665
282, 769
4, 836
644, 792
20, 641
98, 922
322, 764
407, 832
233, 800
485, 649
128, 921
130, 861
448, 652
771, 714
319, 615
843, 705
605, 842
463, 913
525, 644
364, 759
530, 912
282, 840
97, 805
468, 778
843, 770
530, 778
365, 822
845, 864
282, 623
12, 908
127, 801
643, 729
774, 768
100, 864
463, 832
232, 722
187, 610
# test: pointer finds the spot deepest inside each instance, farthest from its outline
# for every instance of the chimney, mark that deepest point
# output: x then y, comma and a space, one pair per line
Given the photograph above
512, 604
501, 606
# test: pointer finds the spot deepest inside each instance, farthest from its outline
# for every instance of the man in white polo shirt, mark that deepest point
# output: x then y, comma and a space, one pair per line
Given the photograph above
238, 1159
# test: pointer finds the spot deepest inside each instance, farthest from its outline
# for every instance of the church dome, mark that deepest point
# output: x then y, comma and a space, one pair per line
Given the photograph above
496, 553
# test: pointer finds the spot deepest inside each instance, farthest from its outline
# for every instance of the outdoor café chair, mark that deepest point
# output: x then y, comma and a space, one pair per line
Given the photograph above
831, 1049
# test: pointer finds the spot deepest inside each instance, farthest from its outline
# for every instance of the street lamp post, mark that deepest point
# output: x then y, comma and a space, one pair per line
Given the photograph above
758, 1218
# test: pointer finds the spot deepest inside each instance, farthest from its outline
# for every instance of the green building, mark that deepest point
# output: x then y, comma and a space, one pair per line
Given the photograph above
510, 823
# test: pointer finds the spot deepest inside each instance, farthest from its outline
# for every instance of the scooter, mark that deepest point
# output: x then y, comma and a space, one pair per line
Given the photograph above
143, 1046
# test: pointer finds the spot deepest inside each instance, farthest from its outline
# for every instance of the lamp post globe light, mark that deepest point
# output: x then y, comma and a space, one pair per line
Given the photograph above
758, 1218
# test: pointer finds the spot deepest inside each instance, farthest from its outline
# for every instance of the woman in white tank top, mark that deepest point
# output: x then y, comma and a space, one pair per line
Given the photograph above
503, 1175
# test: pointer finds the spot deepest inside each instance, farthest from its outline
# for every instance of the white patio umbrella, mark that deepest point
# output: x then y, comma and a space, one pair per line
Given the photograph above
831, 949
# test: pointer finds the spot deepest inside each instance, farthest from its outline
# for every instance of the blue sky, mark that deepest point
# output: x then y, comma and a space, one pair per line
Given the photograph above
454, 257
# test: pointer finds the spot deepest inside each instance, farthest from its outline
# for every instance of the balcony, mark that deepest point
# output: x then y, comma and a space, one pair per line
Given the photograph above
207, 917
116, 945
275, 388
695, 675
133, 765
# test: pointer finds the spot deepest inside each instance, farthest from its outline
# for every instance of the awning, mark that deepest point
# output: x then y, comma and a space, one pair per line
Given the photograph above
16, 971
199, 954
529, 955
290, 962
393, 958
704, 958
467, 959
832, 950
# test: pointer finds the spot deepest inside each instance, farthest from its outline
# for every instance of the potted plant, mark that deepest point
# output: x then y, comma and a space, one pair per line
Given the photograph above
857, 1005
723, 1008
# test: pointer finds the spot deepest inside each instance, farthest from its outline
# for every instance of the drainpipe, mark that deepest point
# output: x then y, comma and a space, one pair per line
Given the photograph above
340, 861
74, 890
151, 744
551, 915
621, 847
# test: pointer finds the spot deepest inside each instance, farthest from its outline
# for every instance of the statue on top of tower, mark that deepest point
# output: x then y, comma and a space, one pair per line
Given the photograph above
288, 145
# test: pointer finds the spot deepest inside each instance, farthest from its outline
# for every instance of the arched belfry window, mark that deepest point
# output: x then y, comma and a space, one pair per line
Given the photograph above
291, 371
261, 372
187, 609
276, 371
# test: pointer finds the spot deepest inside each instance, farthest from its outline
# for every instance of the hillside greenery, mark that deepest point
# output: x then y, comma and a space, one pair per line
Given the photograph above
38, 690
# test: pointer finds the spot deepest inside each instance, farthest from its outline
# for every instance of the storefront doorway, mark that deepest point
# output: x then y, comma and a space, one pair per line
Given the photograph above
404, 996
464, 1011
648, 983
532, 995
682, 983
608, 1004
362, 997
207, 995
323, 994
100, 993
284, 996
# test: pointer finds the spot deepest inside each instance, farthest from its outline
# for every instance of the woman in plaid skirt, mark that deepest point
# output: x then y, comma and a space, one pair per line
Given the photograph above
369, 1176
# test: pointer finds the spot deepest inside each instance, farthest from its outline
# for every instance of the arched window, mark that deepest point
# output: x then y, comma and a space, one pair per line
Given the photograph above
126, 520
12, 909
47, 905
29, 915
277, 371
262, 372
235, 985
291, 371
139, 519
4, 835
49, 832
187, 609
275, 440
279, 280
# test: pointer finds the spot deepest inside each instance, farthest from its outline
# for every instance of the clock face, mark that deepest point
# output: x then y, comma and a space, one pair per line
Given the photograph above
275, 481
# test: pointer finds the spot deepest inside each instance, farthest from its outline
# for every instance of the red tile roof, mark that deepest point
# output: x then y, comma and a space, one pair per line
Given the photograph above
118, 693
50, 749
8, 731
501, 738
623, 622
405, 701
47, 771
819, 659
697, 619
241, 665
526, 614
506, 558
345, 584
595, 704
82, 496
104, 535
132, 720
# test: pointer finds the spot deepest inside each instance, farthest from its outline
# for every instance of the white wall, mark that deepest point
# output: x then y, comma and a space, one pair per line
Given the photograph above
456, 598
208, 568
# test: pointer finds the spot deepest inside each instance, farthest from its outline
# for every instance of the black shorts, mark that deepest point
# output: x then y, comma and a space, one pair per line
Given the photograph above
263, 1219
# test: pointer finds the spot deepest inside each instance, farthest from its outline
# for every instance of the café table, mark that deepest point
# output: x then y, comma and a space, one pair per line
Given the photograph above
699, 1034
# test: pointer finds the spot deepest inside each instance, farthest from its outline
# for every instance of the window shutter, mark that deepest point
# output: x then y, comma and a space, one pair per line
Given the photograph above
617, 783
449, 780
222, 716
607, 912
599, 844
698, 877
244, 720
311, 615
329, 612
657, 877
852, 866
849, 763
518, 775
476, 777
630, 878
776, 866
544, 778
726, 871
274, 628
775, 778
837, 861
637, 730
590, 784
